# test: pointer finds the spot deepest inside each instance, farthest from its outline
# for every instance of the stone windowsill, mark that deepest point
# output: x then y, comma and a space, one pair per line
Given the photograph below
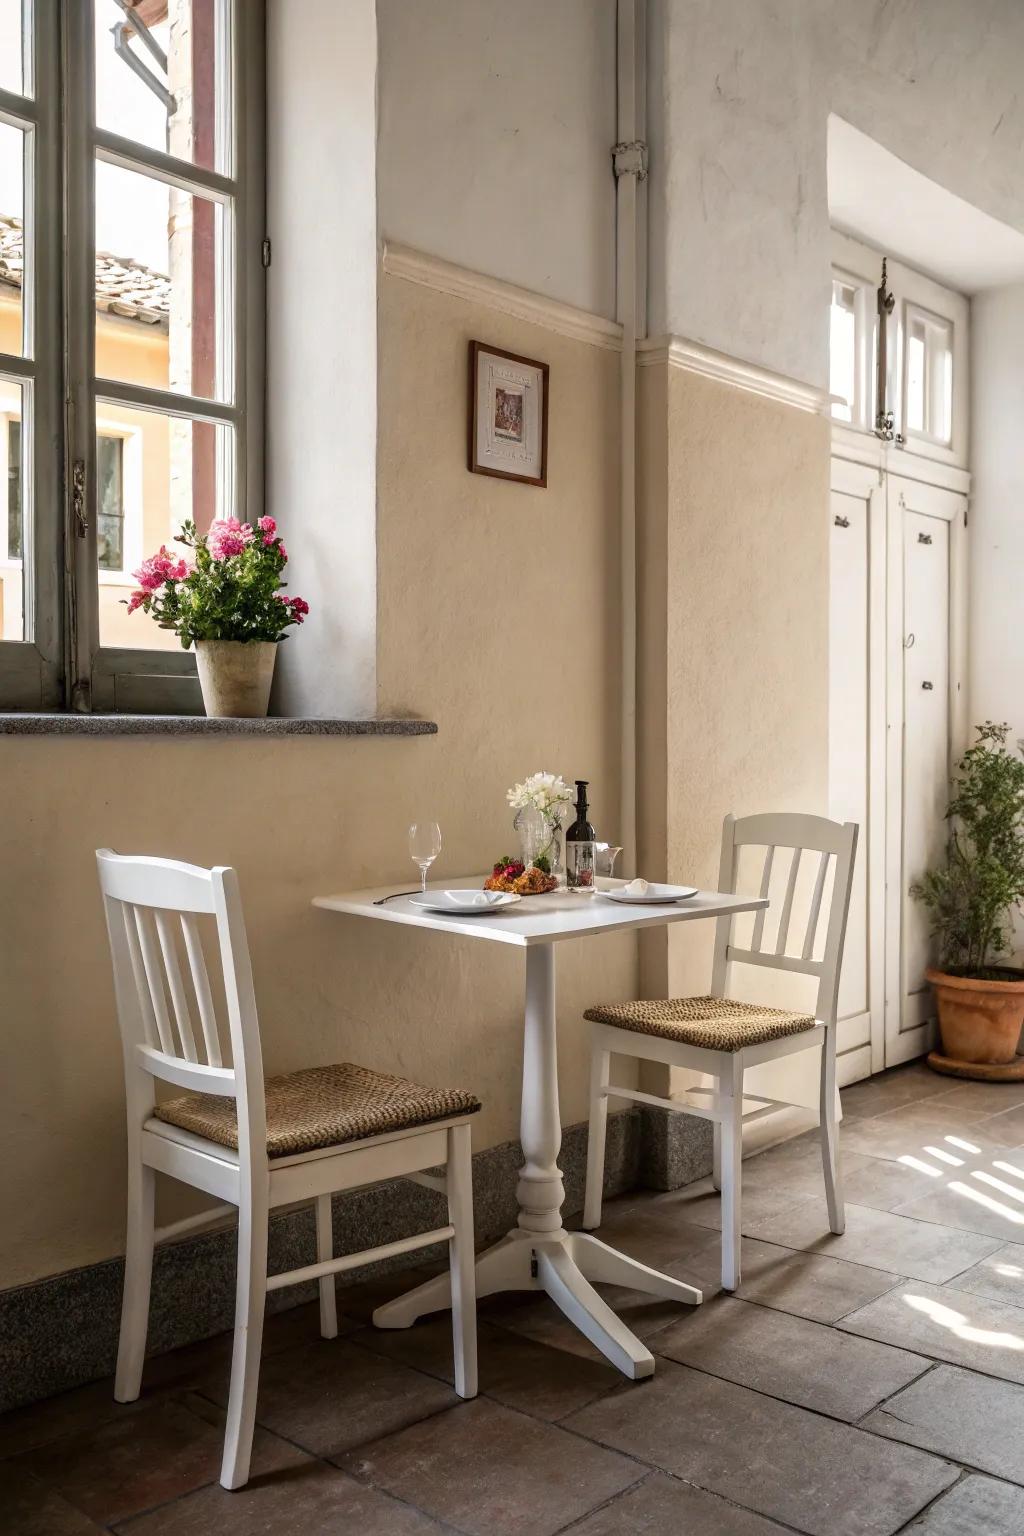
57, 724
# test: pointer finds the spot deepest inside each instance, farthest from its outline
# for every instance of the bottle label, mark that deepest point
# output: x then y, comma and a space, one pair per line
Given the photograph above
580, 865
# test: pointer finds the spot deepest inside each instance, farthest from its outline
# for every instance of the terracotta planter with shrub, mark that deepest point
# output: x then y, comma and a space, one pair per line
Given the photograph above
980, 1021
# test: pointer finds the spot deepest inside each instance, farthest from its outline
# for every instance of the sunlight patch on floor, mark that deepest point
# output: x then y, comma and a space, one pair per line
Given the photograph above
961, 1326
987, 1201
919, 1166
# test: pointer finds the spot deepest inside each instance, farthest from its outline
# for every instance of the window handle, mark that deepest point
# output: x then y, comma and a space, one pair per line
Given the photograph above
927, 687
841, 522
78, 498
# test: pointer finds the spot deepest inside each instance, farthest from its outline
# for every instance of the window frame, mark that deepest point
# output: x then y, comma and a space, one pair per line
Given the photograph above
63, 663
854, 262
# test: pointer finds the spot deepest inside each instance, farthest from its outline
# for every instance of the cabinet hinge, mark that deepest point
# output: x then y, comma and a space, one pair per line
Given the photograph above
265, 252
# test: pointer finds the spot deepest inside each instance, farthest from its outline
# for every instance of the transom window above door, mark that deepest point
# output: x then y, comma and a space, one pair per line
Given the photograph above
925, 365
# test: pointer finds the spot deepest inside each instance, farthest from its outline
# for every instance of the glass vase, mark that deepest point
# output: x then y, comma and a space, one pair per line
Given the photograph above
540, 838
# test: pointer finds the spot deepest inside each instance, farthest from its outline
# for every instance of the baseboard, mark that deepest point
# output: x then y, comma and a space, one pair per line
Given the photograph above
61, 1332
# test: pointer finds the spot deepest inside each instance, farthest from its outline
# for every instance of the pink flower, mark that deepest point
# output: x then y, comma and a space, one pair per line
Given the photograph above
227, 537
281, 550
161, 567
136, 601
267, 525
299, 608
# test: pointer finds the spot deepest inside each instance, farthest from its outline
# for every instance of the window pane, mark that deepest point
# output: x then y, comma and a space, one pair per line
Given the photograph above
158, 273
110, 502
915, 376
165, 92
12, 522
843, 349
13, 39
152, 473
12, 237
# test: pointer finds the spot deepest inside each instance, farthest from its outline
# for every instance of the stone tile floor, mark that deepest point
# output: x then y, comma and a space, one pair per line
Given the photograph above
854, 1386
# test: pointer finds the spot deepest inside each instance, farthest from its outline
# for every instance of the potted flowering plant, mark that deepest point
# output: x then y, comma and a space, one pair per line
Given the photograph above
971, 900
541, 805
227, 602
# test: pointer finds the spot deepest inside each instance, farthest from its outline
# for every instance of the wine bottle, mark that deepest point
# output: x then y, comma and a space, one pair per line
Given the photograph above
581, 845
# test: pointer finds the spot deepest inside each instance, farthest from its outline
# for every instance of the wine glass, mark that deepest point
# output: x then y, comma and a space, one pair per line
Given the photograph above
424, 846
611, 853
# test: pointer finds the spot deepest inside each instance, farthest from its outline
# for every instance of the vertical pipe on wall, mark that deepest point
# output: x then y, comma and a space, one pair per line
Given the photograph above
630, 306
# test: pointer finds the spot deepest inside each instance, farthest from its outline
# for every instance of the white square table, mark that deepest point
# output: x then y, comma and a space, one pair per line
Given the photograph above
539, 1254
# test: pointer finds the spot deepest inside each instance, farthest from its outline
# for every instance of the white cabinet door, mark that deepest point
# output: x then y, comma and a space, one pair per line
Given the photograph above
925, 533
857, 750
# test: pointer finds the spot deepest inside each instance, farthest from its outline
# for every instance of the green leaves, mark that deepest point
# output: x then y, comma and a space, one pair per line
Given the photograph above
231, 591
971, 900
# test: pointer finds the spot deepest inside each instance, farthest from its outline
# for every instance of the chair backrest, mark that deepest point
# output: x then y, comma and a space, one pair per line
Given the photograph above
154, 909
817, 948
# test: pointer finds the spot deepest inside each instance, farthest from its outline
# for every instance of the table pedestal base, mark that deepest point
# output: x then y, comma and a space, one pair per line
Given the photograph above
563, 1264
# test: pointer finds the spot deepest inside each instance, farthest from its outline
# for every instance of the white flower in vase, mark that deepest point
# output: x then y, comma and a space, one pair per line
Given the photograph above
544, 792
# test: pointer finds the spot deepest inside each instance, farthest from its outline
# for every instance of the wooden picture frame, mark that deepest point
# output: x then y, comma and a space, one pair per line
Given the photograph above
508, 415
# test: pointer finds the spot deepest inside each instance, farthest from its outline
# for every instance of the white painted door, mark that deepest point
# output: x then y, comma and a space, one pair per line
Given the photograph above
925, 731
857, 750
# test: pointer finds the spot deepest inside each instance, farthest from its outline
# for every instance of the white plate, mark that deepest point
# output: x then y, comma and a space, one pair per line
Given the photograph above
655, 895
471, 903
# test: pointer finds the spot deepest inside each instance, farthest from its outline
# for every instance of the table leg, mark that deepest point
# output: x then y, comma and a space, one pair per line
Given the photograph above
539, 1254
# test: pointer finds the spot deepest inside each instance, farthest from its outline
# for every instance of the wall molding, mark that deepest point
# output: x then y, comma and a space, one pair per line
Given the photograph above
445, 277
677, 352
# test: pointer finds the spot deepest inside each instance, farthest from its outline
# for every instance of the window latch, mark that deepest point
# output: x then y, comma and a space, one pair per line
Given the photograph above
78, 498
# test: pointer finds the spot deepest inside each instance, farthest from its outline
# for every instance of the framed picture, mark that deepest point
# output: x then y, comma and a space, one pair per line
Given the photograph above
508, 415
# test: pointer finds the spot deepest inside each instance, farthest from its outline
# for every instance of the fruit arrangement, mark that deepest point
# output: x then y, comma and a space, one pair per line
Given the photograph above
512, 875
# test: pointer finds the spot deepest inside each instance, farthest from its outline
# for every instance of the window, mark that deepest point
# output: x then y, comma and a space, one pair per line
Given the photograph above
928, 387
13, 488
926, 353
110, 503
139, 173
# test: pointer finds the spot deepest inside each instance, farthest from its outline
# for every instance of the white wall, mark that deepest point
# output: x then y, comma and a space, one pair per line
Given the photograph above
997, 508
497, 122
322, 344
740, 94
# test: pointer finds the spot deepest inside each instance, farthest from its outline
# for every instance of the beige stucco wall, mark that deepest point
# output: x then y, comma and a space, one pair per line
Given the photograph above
734, 584
480, 629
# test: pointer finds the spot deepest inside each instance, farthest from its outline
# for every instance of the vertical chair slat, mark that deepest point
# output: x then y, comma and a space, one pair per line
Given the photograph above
139, 973
151, 966
787, 905
812, 921
766, 880
178, 998
201, 983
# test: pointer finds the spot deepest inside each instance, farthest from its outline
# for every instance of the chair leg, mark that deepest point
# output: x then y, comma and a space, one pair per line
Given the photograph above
716, 1156
830, 1134
325, 1251
730, 1087
462, 1259
599, 1071
250, 1299
138, 1272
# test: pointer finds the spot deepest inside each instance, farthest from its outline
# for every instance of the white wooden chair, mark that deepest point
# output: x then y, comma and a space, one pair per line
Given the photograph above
721, 1038
254, 1145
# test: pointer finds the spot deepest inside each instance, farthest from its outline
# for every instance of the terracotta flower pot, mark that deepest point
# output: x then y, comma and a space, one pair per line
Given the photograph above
235, 676
980, 1021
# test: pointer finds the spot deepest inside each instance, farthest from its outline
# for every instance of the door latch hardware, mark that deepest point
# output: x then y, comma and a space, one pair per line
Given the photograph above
78, 498
910, 641
534, 1267
842, 522
924, 538
927, 687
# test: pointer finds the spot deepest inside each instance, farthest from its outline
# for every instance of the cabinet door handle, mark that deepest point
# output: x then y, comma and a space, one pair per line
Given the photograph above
841, 522
927, 687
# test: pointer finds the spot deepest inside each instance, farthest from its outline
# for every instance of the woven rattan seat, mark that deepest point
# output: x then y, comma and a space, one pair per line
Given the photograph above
712, 1023
321, 1107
